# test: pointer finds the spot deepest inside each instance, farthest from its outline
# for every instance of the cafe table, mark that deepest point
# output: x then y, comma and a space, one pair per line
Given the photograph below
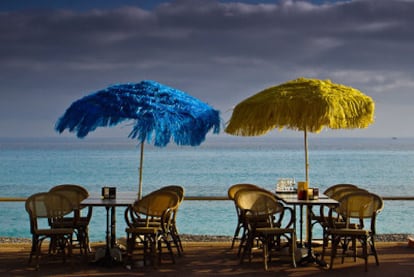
122, 199
292, 200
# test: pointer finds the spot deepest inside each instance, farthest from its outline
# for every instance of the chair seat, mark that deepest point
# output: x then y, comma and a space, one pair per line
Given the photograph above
142, 230
350, 232
71, 220
153, 224
274, 231
67, 222
53, 231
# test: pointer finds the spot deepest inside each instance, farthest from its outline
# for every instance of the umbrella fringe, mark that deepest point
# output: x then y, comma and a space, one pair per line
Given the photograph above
160, 114
310, 105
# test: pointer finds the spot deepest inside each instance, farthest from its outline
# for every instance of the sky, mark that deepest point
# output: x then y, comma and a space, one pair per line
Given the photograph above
55, 52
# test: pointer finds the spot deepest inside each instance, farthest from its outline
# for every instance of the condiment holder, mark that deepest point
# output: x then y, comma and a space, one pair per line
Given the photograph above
108, 192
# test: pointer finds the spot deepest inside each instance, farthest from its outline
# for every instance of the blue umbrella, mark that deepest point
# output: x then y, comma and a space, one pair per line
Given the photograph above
159, 113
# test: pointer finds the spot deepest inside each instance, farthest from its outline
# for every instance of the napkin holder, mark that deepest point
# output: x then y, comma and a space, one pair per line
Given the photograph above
108, 192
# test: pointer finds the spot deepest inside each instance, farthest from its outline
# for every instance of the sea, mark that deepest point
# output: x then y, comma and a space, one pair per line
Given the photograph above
382, 165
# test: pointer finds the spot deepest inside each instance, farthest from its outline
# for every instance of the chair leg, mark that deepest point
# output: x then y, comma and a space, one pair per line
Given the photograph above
63, 245
266, 256
335, 241
38, 249
34, 248
236, 235
365, 251
180, 245
150, 250
354, 248
247, 248
153, 246
83, 239
293, 248
345, 245
177, 243
325, 237
69, 248
52, 245
147, 251
324, 245
243, 241
169, 248
129, 239
177, 240
373, 249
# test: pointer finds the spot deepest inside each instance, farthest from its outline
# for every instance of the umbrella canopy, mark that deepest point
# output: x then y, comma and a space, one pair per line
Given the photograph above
303, 104
158, 114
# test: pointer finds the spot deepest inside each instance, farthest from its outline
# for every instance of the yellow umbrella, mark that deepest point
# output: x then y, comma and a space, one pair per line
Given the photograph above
306, 105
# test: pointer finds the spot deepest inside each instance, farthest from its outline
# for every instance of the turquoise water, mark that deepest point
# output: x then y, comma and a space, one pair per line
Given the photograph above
384, 166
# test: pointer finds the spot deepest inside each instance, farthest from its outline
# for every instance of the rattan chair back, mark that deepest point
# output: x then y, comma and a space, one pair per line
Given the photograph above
360, 205
231, 192
75, 193
333, 189
52, 206
257, 202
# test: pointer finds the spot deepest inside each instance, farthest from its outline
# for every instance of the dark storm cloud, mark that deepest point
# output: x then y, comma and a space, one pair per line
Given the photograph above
220, 52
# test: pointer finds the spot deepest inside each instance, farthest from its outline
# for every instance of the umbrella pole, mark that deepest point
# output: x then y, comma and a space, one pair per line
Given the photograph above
307, 180
141, 161
306, 156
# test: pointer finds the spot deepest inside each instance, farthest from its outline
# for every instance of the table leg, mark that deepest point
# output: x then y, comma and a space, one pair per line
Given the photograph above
310, 257
113, 227
301, 226
309, 230
108, 258
116, 253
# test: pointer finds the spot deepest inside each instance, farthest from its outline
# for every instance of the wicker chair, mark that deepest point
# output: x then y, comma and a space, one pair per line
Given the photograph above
149, 223
330, 192
263, 217
79, 222
359, 209
321, 218
49, 207
174, 229
231, 192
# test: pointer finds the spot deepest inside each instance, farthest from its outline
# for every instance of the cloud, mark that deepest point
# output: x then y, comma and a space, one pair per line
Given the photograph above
219, 52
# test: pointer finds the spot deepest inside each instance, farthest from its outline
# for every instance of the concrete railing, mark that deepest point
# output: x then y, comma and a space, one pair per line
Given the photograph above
216, 198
